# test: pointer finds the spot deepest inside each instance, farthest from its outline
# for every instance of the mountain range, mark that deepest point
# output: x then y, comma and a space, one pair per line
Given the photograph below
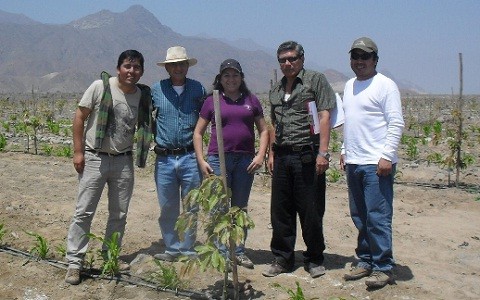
66, 58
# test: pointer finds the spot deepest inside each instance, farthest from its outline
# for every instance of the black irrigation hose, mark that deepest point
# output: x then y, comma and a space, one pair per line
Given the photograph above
138, 282
471, 188
423, 184
30, 257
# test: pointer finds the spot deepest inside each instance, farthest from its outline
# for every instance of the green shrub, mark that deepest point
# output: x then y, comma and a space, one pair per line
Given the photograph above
41, 248
296, 294
3, 142
61, 250
111, 255
53, 127
333, 174
64, 151
6, 126
47, 149
167, 276
3, 232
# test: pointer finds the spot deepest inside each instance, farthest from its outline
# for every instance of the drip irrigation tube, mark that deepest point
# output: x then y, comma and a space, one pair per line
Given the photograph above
423, 184
138, 281
471, 188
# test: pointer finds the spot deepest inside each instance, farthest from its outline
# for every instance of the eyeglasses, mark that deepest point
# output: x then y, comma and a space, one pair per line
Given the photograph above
363, 56
290, 59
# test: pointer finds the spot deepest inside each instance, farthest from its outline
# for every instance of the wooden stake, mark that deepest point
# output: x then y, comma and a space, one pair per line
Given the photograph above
223, 171
460, 124
221, 149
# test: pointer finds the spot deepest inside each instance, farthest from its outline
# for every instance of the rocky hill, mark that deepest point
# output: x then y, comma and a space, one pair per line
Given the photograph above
66, 58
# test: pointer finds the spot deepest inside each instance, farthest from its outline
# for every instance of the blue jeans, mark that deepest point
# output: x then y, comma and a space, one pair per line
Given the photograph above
238, 180
175, 176
371, 209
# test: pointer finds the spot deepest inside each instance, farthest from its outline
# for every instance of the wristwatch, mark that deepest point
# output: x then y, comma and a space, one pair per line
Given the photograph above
325, 155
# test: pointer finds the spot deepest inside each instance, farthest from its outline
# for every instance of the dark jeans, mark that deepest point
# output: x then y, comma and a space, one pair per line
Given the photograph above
296, 189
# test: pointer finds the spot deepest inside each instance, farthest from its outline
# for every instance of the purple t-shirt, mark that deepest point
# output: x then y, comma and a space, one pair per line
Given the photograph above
238, 120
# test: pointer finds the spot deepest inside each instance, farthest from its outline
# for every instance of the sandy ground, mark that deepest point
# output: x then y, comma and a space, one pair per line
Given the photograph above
436, 238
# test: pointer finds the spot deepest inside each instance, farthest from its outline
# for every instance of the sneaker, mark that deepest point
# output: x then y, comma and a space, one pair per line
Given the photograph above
357, 273
165, 257
274, 270
316, 271
379, 279
72, 276
244, 261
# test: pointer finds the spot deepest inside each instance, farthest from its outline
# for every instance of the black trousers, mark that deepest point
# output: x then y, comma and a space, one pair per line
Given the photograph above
297, 189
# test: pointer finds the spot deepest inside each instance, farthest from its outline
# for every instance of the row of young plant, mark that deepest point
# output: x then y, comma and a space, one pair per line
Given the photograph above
42, 250
166, 275
221, 224
31, 118
439, 138
433, 135
46, 149
430, 134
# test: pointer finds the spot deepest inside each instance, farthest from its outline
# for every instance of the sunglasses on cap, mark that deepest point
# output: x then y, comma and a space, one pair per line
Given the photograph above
290, 59
363, 56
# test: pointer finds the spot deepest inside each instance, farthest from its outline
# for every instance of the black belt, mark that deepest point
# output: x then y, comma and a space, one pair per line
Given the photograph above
110, 154
292, 148
176, 151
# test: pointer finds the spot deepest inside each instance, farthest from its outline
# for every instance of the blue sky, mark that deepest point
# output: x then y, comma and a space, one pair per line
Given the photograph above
419, 41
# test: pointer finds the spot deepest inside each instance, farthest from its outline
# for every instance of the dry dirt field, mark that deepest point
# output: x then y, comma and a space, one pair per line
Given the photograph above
436, 238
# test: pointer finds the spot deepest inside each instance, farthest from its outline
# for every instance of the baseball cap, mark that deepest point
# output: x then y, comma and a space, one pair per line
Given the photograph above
365, 44
230, 64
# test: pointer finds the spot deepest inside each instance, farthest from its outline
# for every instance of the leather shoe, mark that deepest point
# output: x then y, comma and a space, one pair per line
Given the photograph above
316, 271
72, 276
244, 261
357, 273
379, 279
274, 270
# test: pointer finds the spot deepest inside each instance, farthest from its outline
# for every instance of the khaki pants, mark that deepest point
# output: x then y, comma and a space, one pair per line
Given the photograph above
100, 169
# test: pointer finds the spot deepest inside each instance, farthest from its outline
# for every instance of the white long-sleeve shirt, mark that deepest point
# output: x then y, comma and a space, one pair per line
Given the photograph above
373, 120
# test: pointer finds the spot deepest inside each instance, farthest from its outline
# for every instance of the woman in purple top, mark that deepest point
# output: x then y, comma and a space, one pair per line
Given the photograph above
240, 111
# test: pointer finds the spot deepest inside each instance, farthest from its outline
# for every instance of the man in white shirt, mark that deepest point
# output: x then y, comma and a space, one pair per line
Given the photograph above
372, 131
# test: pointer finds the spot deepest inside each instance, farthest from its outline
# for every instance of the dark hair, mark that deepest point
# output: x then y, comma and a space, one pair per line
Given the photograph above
291, 45
131, 55
243, 86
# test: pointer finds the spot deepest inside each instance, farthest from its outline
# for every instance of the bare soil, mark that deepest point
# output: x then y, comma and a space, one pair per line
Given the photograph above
436, 238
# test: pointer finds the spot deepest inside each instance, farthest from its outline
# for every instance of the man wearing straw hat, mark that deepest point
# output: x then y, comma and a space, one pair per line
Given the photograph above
177, 101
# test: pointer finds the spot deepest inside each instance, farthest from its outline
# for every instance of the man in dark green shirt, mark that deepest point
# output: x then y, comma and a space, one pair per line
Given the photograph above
300, 104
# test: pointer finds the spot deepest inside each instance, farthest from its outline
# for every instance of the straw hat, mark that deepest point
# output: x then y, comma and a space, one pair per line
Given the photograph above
176, 54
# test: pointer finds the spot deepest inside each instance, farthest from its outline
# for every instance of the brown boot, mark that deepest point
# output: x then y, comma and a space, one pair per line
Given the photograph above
379, 279
72, 276
357, 273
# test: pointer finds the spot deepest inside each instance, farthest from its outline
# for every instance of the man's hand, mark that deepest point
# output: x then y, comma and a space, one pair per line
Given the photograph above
342, 162
321, 165
270, 163
384, 167
79, 162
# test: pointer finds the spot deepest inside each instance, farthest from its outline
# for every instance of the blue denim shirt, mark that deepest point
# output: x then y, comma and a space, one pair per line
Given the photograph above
176, 115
